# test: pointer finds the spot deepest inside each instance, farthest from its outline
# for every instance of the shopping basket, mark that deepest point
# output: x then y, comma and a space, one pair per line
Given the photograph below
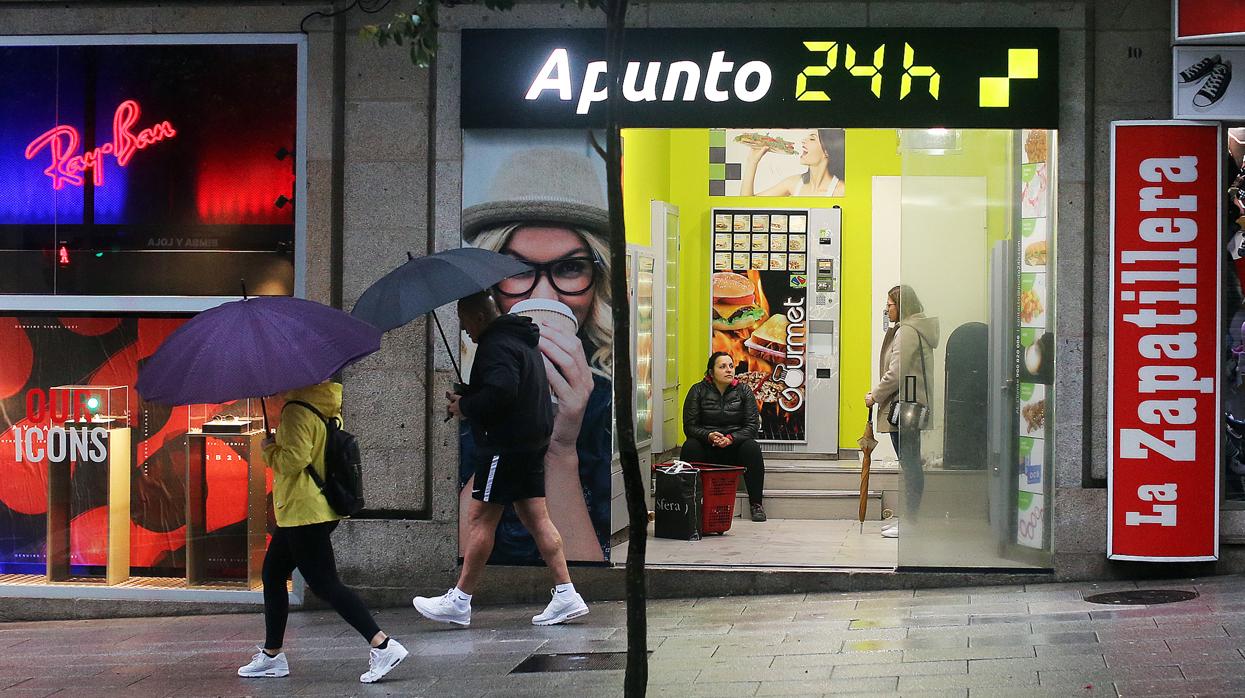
718, 484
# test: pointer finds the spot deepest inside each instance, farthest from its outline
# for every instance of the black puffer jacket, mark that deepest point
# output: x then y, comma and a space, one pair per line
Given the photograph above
733, 413
508, 401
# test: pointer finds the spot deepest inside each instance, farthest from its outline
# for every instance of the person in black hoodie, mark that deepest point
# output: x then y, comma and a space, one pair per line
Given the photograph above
721, 420
511, 413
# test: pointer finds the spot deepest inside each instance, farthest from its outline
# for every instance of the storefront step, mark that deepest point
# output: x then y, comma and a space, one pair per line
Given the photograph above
827, 478
814, 504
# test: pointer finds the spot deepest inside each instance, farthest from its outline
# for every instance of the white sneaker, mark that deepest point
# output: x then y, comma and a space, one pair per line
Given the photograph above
562, 607
892, 532
889, 523
263, 666
444, 609
383, 661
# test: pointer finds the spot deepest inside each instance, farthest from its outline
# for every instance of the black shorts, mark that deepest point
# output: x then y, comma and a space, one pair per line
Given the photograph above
509, 477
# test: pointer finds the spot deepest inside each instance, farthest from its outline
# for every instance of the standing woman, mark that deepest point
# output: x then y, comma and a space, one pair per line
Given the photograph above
304, 523
721, 420
906, 351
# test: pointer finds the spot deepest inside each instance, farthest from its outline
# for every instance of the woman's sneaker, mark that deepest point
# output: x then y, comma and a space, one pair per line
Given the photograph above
1215, 87
892, 532
1200, 69
447, 608
265, 667
382, 661
758, 513
562, 607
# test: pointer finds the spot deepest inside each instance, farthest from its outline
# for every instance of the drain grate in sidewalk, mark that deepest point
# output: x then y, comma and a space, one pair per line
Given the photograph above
572, 661
1147, 597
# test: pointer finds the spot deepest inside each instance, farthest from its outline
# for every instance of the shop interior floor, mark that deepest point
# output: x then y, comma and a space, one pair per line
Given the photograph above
777, 543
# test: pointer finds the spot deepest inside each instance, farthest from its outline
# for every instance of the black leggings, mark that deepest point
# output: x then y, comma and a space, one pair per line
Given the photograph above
309, 549
746, 453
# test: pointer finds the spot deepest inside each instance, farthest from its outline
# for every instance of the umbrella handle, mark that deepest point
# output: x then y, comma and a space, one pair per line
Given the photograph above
263, 408
448, 350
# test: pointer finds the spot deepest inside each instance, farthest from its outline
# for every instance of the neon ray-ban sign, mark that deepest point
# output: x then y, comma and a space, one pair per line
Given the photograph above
68, 165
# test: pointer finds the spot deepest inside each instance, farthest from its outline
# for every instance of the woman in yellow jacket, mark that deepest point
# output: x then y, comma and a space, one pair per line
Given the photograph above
304, 523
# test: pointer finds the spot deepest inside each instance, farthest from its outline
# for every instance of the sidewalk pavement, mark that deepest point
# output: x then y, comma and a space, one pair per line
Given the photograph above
993, 641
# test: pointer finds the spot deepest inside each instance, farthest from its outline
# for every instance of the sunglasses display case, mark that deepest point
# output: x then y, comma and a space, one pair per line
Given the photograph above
224, 452
88, 446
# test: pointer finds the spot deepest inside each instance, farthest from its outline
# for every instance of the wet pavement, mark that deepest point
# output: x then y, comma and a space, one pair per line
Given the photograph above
982, 641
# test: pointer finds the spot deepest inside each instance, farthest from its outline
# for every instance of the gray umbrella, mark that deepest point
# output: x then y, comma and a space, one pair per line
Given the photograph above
424, 284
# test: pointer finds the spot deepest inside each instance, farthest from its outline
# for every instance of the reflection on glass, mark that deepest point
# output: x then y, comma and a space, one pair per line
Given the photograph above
976, 254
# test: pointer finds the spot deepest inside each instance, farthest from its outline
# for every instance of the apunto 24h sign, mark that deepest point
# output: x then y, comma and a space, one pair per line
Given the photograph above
918, 78
1163, 410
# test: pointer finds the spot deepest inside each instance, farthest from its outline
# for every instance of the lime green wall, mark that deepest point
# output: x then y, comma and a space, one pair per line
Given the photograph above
674, 166
646, 176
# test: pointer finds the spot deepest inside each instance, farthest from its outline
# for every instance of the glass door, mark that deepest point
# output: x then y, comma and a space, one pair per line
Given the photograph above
965, 309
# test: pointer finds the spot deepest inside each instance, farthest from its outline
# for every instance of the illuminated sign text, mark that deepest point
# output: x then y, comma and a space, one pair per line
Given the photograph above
68, 165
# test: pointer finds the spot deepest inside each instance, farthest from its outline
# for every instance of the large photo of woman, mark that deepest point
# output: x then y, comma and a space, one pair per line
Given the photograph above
541, 199
781, 162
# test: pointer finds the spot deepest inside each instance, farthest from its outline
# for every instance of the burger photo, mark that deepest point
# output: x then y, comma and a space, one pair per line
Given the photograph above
734, 303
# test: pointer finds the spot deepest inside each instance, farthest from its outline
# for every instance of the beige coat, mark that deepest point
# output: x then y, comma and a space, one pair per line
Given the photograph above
898, 359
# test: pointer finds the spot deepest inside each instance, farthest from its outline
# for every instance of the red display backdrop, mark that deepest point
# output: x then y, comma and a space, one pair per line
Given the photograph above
1208, 19
1163, 410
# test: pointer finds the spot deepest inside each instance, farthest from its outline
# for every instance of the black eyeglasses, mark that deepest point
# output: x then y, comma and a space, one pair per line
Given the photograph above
570, 276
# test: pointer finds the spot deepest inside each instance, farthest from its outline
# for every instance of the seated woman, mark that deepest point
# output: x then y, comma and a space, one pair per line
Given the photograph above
721, 421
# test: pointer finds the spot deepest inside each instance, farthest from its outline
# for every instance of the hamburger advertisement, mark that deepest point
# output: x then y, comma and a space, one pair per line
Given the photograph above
759, 318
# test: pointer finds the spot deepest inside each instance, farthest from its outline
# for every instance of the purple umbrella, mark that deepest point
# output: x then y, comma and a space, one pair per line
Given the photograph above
252, 348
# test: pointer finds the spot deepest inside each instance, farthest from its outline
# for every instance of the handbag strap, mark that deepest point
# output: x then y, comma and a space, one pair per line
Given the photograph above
920, 349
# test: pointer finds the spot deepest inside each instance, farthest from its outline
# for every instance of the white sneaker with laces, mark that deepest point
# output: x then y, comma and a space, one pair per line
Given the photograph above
889, 523
562, 607
383, 661
892, 532
446, 608
264, 667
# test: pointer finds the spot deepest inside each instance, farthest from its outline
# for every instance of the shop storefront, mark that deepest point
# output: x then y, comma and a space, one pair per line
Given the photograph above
778, 184
145, 178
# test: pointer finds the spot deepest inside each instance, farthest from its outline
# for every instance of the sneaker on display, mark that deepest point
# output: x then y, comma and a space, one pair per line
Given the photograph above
889, 524
562, 607
263, 666
1215, 87
447, 608
382, 661
1200, 69
892, 532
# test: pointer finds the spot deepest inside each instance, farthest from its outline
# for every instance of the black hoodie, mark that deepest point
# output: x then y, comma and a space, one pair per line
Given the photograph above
508, 401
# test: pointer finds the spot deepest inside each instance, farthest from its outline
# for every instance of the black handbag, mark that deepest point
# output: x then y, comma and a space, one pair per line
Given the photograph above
677, 503
910, 414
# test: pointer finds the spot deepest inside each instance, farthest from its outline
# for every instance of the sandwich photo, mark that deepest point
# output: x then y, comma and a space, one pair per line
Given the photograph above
734, 303
769, 341
759, 140
1035, 254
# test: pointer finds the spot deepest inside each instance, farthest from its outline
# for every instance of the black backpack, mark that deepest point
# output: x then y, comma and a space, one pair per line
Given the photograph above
343, 468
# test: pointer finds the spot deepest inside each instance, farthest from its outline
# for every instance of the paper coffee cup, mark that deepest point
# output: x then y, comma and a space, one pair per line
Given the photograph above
548, 313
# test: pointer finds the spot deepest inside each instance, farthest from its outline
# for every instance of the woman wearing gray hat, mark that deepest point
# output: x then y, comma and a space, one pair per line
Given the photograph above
546, 208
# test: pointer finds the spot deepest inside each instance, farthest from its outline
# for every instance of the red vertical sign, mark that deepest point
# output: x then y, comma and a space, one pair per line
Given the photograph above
1208, 19
1163, 405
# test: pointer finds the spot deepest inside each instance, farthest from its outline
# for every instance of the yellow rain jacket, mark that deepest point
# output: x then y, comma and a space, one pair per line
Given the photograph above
299, 442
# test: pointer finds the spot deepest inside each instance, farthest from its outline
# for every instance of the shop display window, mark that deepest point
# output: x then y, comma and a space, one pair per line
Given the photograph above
191, 182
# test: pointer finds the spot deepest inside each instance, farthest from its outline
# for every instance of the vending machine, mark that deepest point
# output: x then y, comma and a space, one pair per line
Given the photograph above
775, 310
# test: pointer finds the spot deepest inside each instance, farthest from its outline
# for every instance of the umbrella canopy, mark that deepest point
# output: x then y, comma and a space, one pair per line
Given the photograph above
424, 284
867, 443
254, 347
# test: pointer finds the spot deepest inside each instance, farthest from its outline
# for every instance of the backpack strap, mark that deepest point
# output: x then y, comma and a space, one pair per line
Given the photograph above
315, 477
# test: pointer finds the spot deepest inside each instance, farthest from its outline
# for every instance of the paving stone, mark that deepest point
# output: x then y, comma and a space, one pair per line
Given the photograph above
902, 669
1068, 638
934, 655
1000, 683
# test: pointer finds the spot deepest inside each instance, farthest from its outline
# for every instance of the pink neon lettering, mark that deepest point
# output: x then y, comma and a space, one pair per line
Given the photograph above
62, 142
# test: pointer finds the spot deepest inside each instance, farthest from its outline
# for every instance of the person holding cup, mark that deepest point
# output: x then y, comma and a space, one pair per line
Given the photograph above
546, 207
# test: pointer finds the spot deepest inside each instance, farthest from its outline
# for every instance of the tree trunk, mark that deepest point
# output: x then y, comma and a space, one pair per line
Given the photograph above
636, 682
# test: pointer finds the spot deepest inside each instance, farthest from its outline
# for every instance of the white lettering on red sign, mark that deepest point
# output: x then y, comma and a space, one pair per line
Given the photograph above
1164, 344
69, 166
